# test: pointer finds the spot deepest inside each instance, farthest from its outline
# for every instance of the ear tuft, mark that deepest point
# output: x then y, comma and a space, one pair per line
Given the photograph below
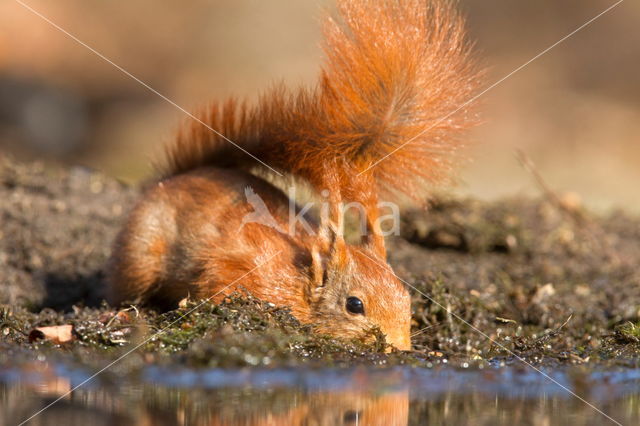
318, 265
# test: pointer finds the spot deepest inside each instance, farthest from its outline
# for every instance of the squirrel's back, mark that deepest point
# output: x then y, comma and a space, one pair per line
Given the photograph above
194, 233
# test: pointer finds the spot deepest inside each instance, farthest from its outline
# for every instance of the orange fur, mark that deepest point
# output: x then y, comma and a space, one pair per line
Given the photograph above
393, 71
394, 76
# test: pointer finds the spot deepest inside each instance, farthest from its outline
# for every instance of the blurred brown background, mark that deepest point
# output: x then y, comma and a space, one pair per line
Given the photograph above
575, 112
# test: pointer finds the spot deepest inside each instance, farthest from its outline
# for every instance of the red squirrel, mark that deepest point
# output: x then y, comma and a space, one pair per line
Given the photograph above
384, 119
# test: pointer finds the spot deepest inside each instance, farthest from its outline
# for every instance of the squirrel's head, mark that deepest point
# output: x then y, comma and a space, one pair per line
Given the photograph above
352, 290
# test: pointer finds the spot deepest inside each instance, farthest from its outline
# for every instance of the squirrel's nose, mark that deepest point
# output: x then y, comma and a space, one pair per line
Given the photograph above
400, 340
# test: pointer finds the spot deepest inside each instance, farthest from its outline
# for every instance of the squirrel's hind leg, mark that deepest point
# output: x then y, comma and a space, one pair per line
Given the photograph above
138, 264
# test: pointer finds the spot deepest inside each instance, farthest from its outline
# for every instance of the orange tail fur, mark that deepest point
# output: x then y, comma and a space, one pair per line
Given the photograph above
390, 105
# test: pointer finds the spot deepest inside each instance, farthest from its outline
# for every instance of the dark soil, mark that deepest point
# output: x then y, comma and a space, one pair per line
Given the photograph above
543, 280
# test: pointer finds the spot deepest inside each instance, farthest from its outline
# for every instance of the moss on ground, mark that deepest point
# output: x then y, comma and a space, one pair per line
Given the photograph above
241, 331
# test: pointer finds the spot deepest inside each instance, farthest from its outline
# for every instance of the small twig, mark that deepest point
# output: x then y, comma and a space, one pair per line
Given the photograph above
594, 230
115, 316
424, 329
530, 167
542, 339
506, 320
564, 323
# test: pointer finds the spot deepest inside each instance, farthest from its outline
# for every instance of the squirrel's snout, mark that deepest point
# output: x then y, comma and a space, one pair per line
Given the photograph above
400, 340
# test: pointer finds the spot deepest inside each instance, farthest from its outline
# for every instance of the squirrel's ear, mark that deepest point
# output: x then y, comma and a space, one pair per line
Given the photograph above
373, 239
328, 254
324, 265
318, 266
317, 272
329, 251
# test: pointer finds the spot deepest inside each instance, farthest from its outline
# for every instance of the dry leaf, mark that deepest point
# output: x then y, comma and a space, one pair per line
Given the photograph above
56, 334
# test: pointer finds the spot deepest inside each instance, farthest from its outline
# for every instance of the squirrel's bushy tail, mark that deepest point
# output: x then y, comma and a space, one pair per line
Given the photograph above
391, 104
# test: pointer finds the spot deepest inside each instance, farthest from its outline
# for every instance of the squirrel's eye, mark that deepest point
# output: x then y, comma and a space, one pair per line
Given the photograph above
355, 305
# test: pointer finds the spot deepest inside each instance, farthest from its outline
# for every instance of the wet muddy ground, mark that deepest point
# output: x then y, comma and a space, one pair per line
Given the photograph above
495, 285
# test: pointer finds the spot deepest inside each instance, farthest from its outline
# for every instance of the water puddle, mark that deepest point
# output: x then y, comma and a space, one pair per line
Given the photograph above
393, 396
